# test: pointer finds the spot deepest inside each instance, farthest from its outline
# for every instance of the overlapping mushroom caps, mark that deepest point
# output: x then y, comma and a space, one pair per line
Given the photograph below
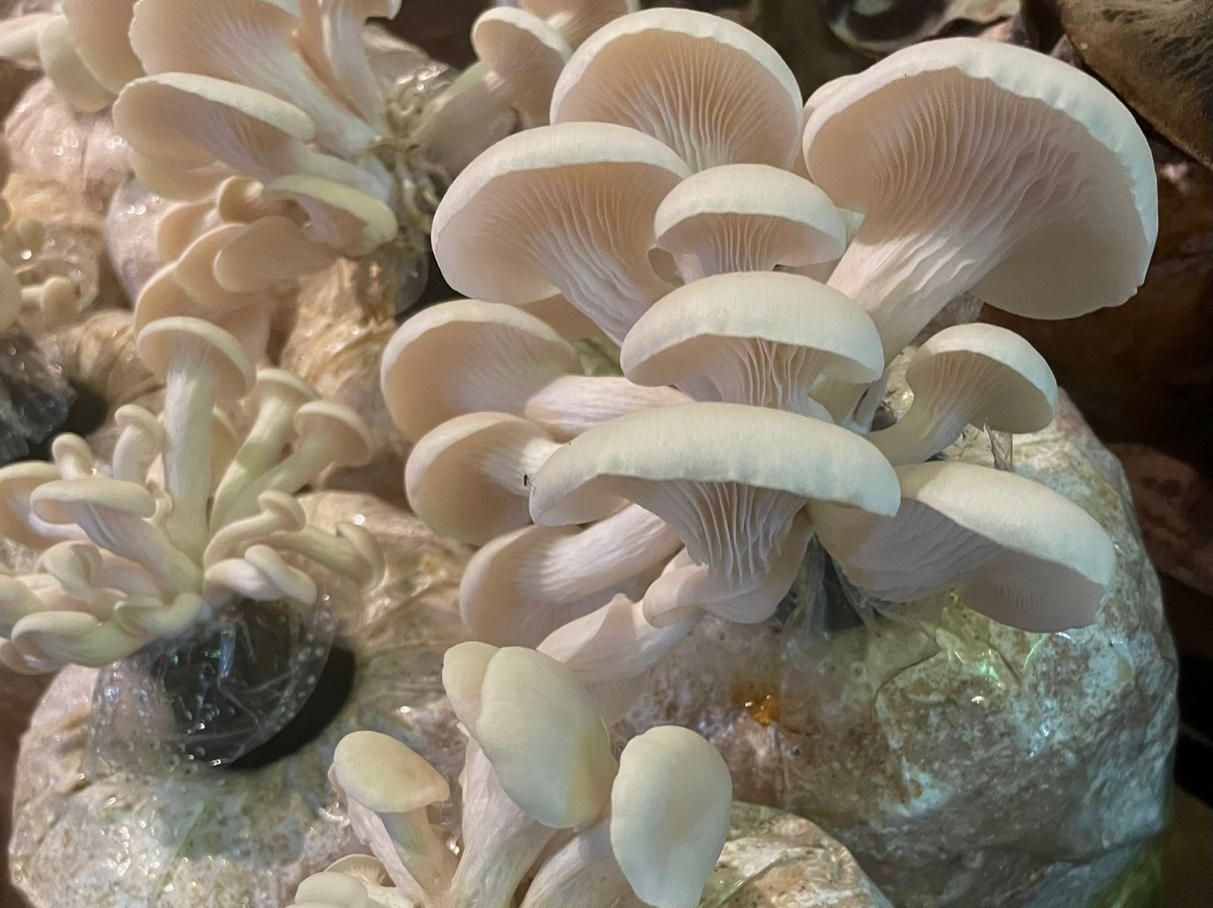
549, 818
660, 210
190, 515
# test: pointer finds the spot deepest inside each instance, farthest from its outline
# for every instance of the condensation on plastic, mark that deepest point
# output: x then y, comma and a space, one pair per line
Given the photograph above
34, 396
225, 688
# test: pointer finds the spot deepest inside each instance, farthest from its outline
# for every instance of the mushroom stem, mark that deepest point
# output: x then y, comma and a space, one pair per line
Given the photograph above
137, 540
501, 843
189, 398
233, 538
312, 454
569, 405
583, 873
139, 444
921, 433
422, 852
333, 552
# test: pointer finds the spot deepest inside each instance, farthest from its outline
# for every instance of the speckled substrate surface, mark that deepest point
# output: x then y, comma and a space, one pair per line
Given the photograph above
239, 839
978, 766
776, 860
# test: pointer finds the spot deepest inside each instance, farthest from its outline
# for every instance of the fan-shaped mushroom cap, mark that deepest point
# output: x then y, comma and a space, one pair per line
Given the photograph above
348, 442
1022, 554
62, 63
384, 775
670, 809
560, 209
748, 217
99, 32
537, 726
58, 501
674, 461
708, 88
468, 356
753, 338
970, 375
523, 585
269, 250
347, 217
524, 56
192, 340
576, 20
463, 668
468, 478
986, 167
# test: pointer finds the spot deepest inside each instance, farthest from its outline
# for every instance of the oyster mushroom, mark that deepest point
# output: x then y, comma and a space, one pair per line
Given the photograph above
988, 168
731, 480
560, 209
761, 339
979, 375
523, 56
655, 70
748, 217
467, 356
523, 585
1022, 553
468, 478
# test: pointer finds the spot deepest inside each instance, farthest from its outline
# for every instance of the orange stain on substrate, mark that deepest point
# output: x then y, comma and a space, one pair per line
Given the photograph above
761, 704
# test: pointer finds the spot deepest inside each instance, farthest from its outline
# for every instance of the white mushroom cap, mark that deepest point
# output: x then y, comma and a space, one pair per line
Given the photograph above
560, 209
753, 338
985, 167
385, 775
463, 668
269, 250
63, 65
468, 478
548, 747
708, 88
1020, 552
675, 461
523, 585
17, 521
748, 217
576, 20
670, 808
99, 32
192, 340
347, 440
524, 57
346, 217
468, 356
977, 374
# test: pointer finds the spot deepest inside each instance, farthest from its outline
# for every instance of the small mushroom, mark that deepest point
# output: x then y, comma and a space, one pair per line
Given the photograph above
468, 478
612, 650
1019, 552
267, 251
660, 70
977, 374
139, 443
763, 339
988, 168
729, 478
748, 217
467, 356
560, 209
523, 585
200, 364
523, 56
380, 775
576, 20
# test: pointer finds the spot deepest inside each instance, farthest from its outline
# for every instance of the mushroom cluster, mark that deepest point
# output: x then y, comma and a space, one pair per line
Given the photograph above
758, 312
546, 807
193, 513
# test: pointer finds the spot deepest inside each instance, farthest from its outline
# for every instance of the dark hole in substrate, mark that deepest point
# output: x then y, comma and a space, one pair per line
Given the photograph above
436, 289
332, 691
86, 414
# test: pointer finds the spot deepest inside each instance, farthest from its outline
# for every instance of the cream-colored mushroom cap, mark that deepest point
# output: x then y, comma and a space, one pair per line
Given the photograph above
549, 748
1034, 182
748, 217
708, 88
1021, 553
977, 374
652, 456
468, 477
463, 668
670, 809
488, 357
17, 482
576, 20
184, 339
349, 441
757, 338
55, 501
384, 775
99, 33
559, 209
525, 56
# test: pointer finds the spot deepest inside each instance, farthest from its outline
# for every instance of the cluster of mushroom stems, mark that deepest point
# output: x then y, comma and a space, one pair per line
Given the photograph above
550, 819
197, 509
